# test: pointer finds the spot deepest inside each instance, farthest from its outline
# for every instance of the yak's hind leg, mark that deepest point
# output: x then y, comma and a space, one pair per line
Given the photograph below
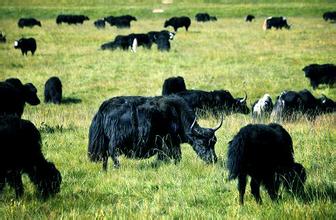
113, 152
255, 189
15, 181
241, 187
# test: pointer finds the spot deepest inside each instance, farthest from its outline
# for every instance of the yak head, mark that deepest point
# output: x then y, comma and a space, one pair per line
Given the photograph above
167, 23
203, 141
223, 99
294, 179
327, 105
30, 93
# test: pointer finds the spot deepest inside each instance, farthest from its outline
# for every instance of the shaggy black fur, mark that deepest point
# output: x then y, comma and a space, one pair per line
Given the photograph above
177, 22
320, 74
216, 102
99, 24
249, 18
71, 19
276, 22
173, 85
204, 17
21, 153
53, 90
291, 103
140, 127
14, 95
26, 44
123, 21
2, 38
329, 15
28, 22
265, 153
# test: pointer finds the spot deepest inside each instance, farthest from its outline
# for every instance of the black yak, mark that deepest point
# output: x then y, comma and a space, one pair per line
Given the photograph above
21, 153
28, 22
290, 103
177, 22
123, 21
141, 127
276, 22
142, 40
216, 102
265, 153
99, 24
53, 90
263, 107
329, 15
249, 18
71, 19
120, 41
173, 85
161, 38
26, 44
320, 74
204, 17
14, 95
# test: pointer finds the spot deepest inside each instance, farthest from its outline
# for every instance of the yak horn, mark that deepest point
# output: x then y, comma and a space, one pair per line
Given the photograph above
193, 124
245, 98
220, 124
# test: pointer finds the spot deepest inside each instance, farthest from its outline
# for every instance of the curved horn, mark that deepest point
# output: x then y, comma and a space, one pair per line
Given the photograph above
245, 98
220, 124
193, 124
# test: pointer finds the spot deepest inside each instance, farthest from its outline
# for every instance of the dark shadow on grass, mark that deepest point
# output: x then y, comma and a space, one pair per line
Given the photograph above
70, 100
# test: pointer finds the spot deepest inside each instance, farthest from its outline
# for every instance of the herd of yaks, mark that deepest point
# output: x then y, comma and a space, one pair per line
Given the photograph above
264, 152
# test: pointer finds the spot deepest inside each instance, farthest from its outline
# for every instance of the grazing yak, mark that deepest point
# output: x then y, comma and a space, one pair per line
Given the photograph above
120, 41
161, 38
177, 22
99, 24
249, 18
123, 21
21, 153
141, 127
276, 22
142, 40
263, 107
204, 17
216, 102
330, 15
2, 37
14, 95
53, 90
28, 22
290, 103
320, 74
265, 153
173, 85
25, 45
71, 19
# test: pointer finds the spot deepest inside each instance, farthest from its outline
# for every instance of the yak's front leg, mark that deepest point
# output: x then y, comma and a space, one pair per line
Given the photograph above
15, 181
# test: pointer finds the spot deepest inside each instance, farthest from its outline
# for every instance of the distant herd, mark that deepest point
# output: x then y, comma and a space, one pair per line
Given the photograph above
159, 125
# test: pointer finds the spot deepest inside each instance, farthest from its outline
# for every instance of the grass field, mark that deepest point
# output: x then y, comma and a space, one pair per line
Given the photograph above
227, 54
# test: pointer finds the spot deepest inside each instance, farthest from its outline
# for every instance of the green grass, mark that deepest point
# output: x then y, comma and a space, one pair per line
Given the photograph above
228, 54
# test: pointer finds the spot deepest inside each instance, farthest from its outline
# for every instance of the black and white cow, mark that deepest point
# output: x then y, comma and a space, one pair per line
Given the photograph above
263, 107
177, 22
249, 18
320, 74
28, 22
276, 22
26, 44
100, 23
204, 17
330, 15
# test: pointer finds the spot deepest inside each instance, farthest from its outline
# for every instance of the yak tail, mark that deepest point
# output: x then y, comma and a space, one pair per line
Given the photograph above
97, 141
235, 156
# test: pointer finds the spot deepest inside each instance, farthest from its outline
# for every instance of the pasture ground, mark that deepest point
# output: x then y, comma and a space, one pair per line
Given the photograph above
227, 54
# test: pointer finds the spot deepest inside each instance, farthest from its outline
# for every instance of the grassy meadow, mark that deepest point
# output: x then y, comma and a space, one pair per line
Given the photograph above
227, 54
